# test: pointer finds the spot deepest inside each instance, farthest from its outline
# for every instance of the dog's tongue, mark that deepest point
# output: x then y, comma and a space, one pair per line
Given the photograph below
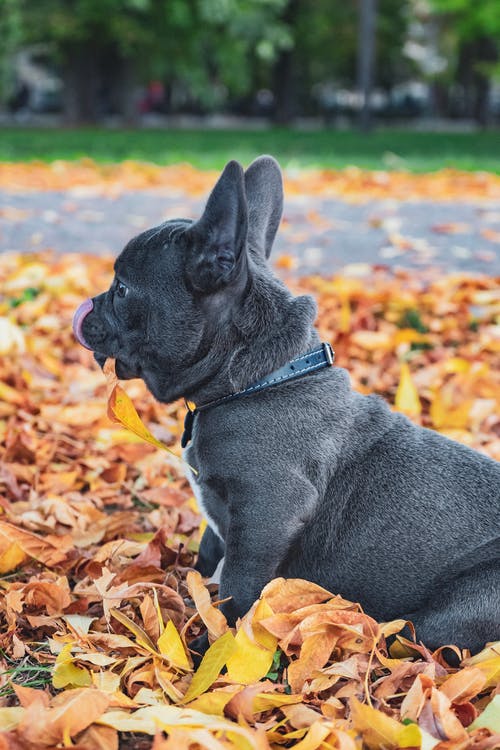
78, 318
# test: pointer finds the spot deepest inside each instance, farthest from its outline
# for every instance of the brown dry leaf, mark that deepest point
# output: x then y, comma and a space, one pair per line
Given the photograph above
32, 545
314, 654
287, 595
96, 520
69, 713
104, 738
214, 619
464, 685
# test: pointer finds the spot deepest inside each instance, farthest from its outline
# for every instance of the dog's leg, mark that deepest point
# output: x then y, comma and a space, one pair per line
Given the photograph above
259, 538
210, 553
466, 614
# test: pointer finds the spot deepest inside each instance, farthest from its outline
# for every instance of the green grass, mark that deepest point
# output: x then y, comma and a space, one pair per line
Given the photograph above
384, 149
27, 672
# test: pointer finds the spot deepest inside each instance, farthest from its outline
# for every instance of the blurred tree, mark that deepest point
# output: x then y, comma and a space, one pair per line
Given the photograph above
105, 47
205, 53
11, 34
323, 52
475, 29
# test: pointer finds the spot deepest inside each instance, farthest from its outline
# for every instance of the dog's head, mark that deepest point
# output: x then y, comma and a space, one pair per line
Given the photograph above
177, 287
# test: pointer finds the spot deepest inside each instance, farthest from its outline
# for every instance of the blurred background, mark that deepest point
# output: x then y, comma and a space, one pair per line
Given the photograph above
102, 100
309, 62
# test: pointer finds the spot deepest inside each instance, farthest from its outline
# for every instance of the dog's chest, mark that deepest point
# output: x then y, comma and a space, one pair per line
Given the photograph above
209, 503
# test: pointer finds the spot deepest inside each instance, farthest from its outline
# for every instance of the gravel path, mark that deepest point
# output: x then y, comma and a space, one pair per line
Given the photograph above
317, 235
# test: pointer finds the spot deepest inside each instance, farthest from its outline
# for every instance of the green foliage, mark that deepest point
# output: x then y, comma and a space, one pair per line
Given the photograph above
472, 32
412, 319
194, 43
27, 295
472, 20
326, 41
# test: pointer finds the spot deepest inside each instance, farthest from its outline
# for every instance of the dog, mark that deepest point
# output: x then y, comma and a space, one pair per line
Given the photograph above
298, 475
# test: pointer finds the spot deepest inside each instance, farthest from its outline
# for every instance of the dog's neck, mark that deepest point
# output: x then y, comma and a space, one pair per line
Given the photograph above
265, 331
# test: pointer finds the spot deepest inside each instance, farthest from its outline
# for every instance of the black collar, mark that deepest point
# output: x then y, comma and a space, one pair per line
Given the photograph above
322, 356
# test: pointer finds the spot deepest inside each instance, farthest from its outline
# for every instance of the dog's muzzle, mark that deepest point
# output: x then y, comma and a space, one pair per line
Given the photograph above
81, 313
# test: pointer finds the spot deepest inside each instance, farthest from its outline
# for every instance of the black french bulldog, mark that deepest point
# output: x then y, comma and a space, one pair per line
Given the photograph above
298, 476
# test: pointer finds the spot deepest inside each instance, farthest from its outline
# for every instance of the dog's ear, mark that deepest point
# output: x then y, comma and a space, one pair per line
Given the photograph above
215, 245
264, 190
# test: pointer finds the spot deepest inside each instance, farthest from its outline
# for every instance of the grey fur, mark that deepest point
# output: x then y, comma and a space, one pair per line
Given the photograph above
307, 479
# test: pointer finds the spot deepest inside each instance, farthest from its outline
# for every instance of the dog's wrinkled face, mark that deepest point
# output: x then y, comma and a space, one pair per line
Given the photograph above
176, 285
147, 305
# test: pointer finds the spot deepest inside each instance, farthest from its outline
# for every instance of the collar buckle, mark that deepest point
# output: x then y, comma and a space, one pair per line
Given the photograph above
329, 353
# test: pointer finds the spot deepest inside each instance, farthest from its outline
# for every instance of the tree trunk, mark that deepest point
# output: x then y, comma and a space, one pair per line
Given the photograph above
487, 52
284, 83
118, 93
475, 82
366, 59
80, 84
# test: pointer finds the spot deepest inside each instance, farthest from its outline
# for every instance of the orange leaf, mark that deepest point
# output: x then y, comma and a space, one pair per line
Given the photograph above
464, 685
70, 712
214, 619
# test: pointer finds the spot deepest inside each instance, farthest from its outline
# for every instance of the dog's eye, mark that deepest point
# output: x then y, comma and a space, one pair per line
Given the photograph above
121, 289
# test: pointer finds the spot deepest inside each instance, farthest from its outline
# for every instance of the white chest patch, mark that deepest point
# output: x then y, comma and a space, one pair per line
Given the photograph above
197, 492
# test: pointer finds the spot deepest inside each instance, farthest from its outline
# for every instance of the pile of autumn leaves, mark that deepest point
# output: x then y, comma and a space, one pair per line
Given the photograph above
99, 532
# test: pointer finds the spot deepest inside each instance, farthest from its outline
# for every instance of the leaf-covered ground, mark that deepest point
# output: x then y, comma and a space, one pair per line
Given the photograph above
351, 183
99, 532
449, 220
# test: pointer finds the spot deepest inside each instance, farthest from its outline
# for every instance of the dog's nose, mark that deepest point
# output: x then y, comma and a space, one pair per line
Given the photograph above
78, 318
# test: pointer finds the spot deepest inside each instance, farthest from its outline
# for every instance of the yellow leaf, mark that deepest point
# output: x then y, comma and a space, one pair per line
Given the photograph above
456, 364
444, 414
11, 558
488, 661
67, 673
142, 637
315, 736
381, 731
345, 315
211, 665
151, 718
213, 702
122, 410
250, 661
407, 399
409, 336
171, 646
265, 701
9, 394
255, 648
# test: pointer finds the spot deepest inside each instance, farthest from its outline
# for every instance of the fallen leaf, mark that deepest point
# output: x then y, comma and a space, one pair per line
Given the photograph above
407, 399
211, 665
